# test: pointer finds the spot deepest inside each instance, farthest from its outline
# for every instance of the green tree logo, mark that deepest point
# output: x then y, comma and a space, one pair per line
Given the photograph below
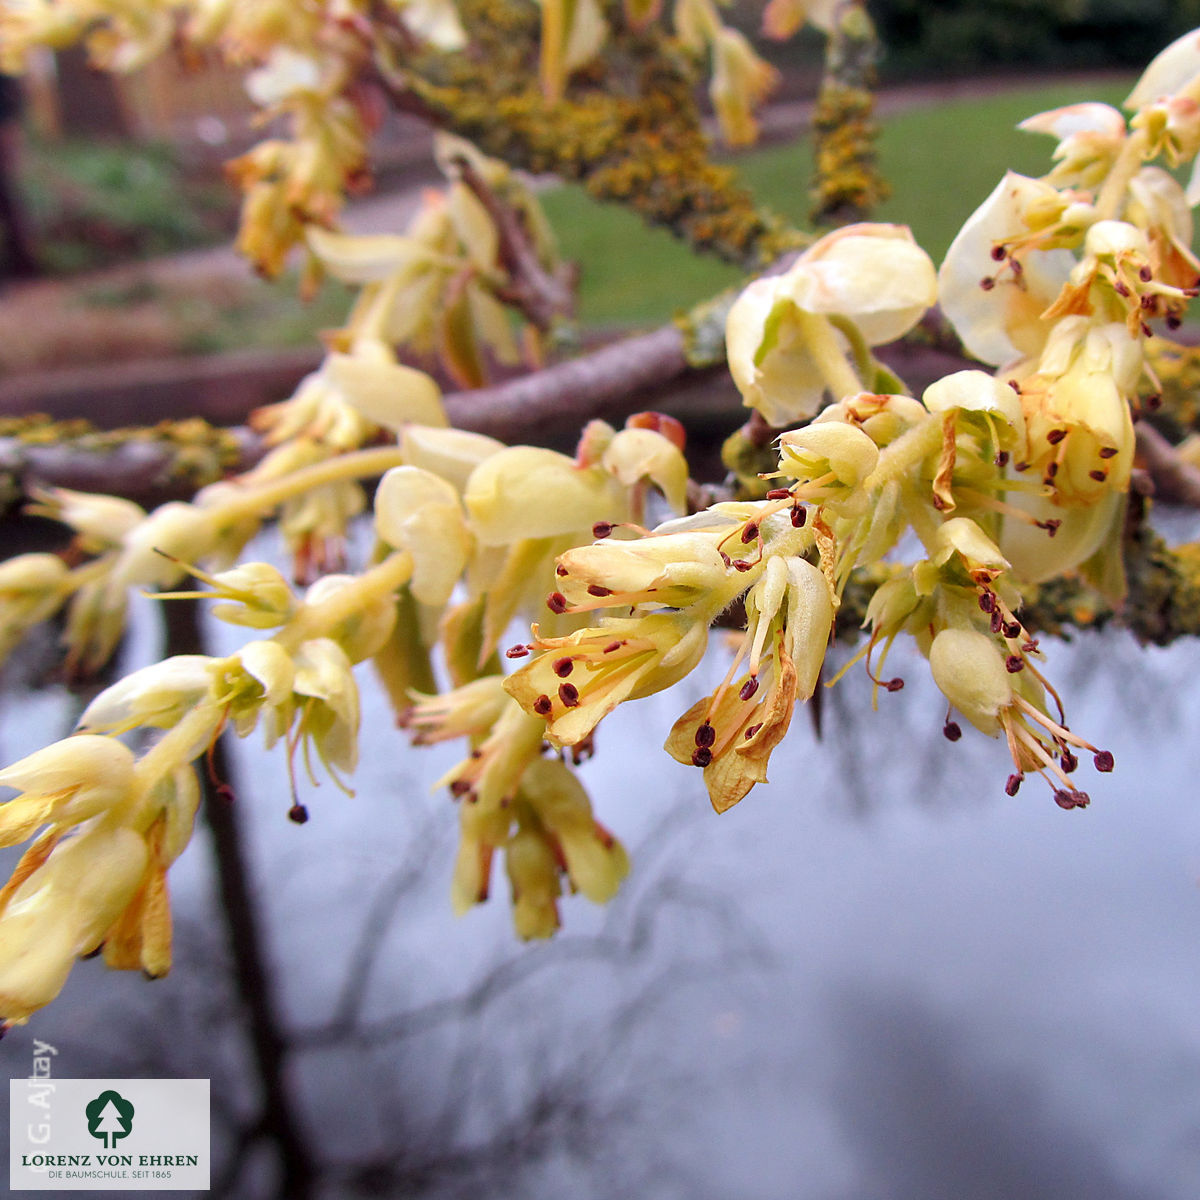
109, 1117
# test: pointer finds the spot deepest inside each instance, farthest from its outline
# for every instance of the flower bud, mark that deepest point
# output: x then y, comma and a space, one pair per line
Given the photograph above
596, 862
450, 454
533, 875
817, 451
254, 594
364, 633
528, 492
637, 454
970, 671
418, 512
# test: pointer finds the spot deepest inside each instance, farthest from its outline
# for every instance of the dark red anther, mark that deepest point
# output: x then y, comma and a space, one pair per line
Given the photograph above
563, 667
611, 647
1055, 436
1013, 785
1098, 475
799, 516
1001, 459
987, 283
459, 787
752, 730
1122, 288
560, 571
705, 734
987, 601
1174, 321
1146, 330
1051, 471
1021, 466
602, 529
1153, 402
999, 254
1145, 274
1068, 762
749, 688
568, 693
543, 706
1071, 799
1017, 269
1012, 629
701, 756
779, 494
556, 602
1014, 663
1104, 761
952, 731
298, 814
1108, 451
997, 620
594, 589
725, 558
1051, 525
1016, 387
517, 651
893, 685
740, 564
750, 533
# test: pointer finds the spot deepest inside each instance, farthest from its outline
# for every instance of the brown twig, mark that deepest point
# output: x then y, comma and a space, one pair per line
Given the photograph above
279, 1121
1175, 481
544, 297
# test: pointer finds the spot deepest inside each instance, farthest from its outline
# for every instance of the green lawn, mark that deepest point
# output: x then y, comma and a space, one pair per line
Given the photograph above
941, 163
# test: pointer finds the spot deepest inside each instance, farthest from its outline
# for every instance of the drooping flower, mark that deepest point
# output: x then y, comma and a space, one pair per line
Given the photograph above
788, 336
995, 299
1090, 136
65, 784
732, 733
32, 587
741, 81
575, 681
1078, 422
1003, 695
62, 900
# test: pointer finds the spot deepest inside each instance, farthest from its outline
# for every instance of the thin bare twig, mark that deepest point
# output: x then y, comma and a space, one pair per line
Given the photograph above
1175, 481
545, 297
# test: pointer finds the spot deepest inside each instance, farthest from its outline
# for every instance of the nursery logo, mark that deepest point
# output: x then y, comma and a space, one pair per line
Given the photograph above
109, 1117
121, 1135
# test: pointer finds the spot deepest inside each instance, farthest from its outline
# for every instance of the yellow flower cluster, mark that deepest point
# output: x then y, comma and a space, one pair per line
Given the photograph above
959, 501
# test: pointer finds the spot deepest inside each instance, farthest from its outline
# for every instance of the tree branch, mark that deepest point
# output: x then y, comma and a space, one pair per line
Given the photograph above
544, 297
279, 1120
1175, 481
